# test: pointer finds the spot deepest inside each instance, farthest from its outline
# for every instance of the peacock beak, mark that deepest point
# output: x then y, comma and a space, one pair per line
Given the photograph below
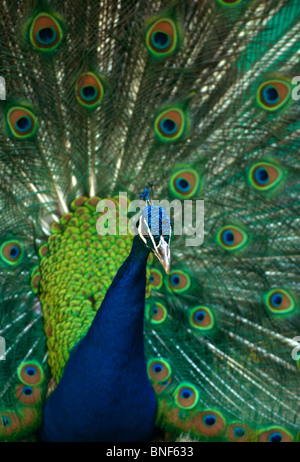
162, 251
160, 226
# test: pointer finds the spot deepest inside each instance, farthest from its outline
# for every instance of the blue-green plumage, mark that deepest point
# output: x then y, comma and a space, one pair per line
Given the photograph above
105, 393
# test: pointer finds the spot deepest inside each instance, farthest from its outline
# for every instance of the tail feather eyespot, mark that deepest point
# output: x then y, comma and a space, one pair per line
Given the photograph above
279, 301
30, 373
265, 175
157, 313
45, 32
89, 90
9, 423
28, 395
12, 252
275, 435
209, 423
159, 370
162, 38
273, 94
185, 183
22, 122
178, 281
232, 238
170, 124
186, 395
202, 318
156, 278
238, 432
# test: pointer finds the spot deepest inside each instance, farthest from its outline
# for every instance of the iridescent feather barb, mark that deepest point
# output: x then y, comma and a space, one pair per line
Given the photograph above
197, 98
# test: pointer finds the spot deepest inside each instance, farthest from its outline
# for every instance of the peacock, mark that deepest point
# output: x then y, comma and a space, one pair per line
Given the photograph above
149, 334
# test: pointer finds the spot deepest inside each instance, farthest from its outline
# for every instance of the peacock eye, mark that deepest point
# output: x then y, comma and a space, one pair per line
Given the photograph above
6, 421
228, 237
202, 318
89, 90
46, 35
279, 301
186, 395
261, 175
156, 279
157, 314
232, 238
178, 281
45, 32
209, 420
184, 183
22, 122
14, 251
175, 279
89, 93
159, 370
28, 395
200, 315
162, 38
170, 125
30, 373
11, 252
239, 432
27, 391
276, 299
273, 94
165, 382
270, 94
265, 175
209, 423
275, 437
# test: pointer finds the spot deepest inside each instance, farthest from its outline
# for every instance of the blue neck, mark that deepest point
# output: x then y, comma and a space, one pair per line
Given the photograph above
105, 394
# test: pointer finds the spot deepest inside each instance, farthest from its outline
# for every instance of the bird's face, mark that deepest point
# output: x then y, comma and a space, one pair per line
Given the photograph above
154, 228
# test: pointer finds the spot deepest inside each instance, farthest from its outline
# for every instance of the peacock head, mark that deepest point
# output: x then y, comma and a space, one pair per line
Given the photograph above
155, 228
